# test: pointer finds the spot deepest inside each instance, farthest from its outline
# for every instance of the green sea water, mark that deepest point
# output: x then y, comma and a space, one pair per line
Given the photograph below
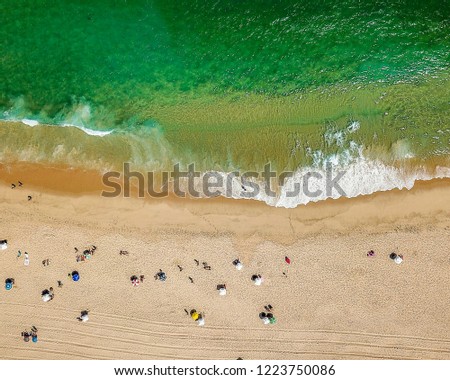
226, 84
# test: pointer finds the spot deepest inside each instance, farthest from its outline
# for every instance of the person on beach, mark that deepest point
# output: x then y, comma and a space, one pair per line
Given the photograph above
222, 289
161, 276
197, 317
84, 316
26, 336
4, 244
238, 265
47, 295
264, 318
257, 279
9, 283
268, 308
398, 259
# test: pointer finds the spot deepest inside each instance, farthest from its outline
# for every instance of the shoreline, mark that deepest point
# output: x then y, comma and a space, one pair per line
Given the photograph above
55, 188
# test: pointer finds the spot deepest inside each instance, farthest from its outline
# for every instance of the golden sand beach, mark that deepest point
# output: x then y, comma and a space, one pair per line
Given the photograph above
332, 302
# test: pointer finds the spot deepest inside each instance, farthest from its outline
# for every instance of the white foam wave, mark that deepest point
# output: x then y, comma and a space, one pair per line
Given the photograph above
362, 177
31, 123
91, 132
88, 131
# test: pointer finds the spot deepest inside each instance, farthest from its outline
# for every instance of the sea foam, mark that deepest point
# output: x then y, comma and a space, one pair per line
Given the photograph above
91, 132
362, 177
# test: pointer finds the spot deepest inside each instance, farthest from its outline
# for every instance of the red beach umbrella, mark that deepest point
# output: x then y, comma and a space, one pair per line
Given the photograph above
287, 259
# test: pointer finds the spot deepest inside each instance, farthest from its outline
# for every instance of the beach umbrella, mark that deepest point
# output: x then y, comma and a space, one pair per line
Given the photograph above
272, 320
201, 321
34, 338
46, 297
3, 244
162, 276
266, 320
75, 276
195, 316
287, 259
257, 280
8, 284
84, 317
398, 260
222, 291
135, 281
238, 264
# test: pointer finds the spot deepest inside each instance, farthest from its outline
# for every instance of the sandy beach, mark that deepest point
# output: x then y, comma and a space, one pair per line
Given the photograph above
332, 302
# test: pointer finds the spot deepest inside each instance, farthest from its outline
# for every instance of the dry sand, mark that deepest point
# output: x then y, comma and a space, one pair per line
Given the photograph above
334, 303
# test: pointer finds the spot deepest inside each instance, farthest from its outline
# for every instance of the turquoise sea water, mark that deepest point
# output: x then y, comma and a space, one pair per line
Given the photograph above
226, 84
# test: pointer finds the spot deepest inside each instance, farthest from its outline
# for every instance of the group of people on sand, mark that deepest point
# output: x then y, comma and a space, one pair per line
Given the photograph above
257, 279
20, 184
87, 253
398, 259
266, 316
27, 335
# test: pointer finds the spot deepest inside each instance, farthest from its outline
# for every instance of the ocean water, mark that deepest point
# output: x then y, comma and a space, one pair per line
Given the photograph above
230, 85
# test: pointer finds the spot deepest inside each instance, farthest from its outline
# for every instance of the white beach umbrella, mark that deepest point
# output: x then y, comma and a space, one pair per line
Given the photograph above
266, 320
84, 318
239, 265
398, 260
222, 291
257, 281
3, 245
46, 297
201, 321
